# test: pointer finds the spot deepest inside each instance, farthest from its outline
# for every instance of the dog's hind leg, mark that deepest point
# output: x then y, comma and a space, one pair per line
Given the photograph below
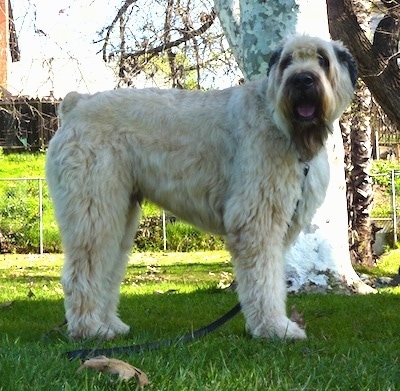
92, 199
93, 269
85, 289
118, 268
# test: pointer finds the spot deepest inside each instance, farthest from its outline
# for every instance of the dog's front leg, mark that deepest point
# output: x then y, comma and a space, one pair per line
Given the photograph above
260, 273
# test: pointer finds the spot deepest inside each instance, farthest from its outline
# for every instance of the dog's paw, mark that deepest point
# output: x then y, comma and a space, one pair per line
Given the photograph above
118, 326
99, 330
290, 330
281, 327
104, 328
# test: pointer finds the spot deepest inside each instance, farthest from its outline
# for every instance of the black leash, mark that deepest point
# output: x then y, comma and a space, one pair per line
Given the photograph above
87, 353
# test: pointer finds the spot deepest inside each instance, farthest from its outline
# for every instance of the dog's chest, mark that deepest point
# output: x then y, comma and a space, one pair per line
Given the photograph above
312, 191
299, 208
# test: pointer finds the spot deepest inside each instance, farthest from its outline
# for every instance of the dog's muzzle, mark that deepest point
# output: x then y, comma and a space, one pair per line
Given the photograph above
304, 94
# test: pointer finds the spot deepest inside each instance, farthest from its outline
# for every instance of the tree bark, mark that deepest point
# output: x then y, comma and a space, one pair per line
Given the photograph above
377, 67
360, 179
254, 29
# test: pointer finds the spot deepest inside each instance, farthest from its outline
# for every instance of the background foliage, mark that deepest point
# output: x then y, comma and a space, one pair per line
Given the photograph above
19, 211
19, 215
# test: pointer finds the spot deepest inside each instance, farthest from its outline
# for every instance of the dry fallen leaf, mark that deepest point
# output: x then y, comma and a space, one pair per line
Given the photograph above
297, 317
113, 366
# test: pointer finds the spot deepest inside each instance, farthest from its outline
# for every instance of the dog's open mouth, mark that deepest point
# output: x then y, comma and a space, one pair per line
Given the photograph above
305, 111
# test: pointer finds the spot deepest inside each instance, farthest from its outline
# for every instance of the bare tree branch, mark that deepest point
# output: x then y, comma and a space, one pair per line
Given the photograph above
379, 72
186, 36
173, 42
110, 28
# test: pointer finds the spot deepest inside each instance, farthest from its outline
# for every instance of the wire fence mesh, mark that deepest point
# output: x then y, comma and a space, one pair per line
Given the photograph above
27, 216
386, 204
28, 224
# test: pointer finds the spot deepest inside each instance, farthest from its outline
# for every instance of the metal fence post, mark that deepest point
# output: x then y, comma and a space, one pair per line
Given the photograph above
164, 229
40, 216
394, 208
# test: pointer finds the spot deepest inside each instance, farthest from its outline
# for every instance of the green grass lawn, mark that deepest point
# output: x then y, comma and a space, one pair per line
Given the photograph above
22, 165
353, 341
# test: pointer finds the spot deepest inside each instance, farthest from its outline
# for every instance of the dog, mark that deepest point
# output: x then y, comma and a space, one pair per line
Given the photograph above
247, 162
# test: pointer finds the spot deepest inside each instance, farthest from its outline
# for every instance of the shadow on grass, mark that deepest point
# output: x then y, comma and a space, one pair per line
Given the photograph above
150, 316
353, 344
160, 316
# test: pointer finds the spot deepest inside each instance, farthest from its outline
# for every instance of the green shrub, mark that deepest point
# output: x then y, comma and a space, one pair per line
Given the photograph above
183, 237
382, 180
149, 236
381, 173
19, 214
180, 236
19, 211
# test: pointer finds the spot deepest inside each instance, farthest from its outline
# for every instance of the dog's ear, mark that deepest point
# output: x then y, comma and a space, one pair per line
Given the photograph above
275, 56
345, 57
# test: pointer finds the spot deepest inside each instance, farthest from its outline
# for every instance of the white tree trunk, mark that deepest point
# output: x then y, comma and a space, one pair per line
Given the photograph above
254, 29
320, 258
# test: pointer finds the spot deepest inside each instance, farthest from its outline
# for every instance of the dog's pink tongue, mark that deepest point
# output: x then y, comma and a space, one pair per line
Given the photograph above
306, 111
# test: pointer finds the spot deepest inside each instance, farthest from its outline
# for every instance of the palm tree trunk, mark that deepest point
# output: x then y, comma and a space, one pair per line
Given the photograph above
357, 128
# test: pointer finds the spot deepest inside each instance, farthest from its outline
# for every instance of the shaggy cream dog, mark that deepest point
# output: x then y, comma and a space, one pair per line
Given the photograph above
247, 162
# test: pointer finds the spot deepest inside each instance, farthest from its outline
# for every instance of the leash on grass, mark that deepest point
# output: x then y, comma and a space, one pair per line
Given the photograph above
87, 353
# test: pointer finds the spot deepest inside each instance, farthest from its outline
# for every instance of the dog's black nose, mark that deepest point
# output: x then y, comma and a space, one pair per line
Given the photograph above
303, 80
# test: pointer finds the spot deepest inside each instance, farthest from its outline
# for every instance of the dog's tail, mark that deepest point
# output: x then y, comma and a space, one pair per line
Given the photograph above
69, 103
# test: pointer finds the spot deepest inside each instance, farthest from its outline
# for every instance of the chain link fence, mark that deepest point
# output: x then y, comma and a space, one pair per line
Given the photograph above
22, 211
27, 215
28, 225
16, 205
386, 206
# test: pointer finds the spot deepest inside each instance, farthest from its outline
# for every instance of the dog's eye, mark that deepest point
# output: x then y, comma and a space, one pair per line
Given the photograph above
323, 61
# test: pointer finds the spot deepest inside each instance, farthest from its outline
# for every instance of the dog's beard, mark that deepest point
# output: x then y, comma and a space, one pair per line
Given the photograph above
309, 137
308, 127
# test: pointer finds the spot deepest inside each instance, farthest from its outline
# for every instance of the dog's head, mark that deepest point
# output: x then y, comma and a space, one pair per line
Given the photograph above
310, 82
